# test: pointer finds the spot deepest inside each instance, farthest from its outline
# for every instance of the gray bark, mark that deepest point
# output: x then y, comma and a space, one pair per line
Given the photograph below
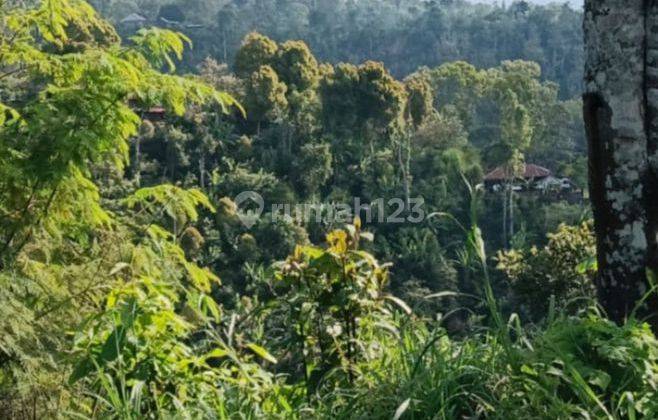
137, 161
202, 171
511, 214
505, 202
620, 103
651, 98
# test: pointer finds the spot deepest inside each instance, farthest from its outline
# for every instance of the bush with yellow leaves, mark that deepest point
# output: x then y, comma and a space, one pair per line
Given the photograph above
563, 269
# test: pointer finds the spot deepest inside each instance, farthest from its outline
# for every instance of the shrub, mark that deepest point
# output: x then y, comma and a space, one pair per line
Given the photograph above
330, 302
561, 269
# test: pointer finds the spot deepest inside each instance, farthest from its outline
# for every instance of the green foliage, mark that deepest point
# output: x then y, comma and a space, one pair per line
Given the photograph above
436, 376
420, 98
191, 241
138, 356
19, 329
278, 238
553, 271
381, 97
67, 253
117, 218
367, 93
339, 96
404, 34
418, 257
256, 51
580, 367
458, 83
331, 302
297, 66
157, 45
180, 205
265, 95
589, 366
78, 115
315, 162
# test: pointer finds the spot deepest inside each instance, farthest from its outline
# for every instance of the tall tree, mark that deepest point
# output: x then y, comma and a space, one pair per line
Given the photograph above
257, 50
621, 116
265, 96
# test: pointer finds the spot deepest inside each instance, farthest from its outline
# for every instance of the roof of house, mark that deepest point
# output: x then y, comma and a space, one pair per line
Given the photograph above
530, 172
133, 17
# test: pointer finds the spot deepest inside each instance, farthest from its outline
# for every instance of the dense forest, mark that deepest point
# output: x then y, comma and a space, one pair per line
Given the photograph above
323, 209
403, 34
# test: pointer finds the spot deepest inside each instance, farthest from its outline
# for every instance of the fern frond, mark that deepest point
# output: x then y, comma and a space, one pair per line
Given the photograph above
158, 45
177, 203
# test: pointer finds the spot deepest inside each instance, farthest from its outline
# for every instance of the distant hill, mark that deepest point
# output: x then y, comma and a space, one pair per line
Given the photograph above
403, 34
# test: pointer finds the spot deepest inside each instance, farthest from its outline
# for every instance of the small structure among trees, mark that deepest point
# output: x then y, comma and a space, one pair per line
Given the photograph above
134, 18
497, 179
534, 178
134, 21
156, 113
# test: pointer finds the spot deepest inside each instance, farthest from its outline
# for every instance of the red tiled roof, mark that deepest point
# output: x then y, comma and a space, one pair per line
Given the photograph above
530, 172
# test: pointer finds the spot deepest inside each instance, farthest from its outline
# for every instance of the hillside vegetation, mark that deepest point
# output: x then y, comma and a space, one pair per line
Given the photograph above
136, 282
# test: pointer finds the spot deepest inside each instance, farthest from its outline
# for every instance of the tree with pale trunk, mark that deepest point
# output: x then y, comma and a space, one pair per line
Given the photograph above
621, 118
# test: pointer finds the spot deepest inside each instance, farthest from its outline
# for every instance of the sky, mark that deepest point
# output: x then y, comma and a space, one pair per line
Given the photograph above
574, 3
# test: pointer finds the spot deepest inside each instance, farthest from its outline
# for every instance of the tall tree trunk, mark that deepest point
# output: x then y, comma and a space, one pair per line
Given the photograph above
505, 202
225, 50
622, 131
137, 161
511, 214
202, 171
404, 160
651, 98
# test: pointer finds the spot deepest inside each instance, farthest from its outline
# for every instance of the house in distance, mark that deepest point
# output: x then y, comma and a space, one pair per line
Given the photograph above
133, 21
535, 179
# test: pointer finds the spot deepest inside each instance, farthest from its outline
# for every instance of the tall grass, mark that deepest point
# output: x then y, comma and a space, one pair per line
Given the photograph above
580, 366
